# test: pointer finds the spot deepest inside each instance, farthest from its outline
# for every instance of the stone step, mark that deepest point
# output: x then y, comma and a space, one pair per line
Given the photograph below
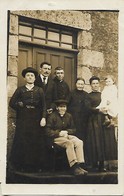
62, 178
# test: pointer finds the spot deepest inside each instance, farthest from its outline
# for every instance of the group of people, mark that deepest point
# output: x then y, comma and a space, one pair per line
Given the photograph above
78, 121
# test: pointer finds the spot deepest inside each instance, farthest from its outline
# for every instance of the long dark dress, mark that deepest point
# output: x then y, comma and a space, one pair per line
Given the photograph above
101, 143
78, 107
28, 145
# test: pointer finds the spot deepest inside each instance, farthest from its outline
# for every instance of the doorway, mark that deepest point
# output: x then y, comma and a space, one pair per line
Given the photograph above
33, 56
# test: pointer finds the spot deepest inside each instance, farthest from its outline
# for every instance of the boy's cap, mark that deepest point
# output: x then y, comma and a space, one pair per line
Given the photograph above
61, 102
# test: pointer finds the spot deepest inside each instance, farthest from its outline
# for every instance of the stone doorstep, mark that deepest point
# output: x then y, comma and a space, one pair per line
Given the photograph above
63, 177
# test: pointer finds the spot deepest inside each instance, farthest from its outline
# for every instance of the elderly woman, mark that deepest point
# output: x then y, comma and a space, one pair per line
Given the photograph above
29, 103
78, 108
101, 143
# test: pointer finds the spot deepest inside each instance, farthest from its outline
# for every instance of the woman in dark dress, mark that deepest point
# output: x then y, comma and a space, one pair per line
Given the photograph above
29, 103
78, 108
101, 144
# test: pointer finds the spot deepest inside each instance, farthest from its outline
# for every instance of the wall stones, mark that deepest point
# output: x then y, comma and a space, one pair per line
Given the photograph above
12, 85
86, 73
84, 40
105, 39
75, 19
13, 45
13, 27
91, 58
13, 66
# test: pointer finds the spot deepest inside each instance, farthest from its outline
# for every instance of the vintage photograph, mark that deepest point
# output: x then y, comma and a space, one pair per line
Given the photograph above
62, 71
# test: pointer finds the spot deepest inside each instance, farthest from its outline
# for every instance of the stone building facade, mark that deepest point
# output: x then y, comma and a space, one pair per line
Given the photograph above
97, 45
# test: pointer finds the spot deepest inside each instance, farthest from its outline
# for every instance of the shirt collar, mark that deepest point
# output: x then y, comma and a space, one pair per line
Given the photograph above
46, 78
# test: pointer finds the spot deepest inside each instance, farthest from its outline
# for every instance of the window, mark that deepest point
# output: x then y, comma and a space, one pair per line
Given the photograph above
40, 33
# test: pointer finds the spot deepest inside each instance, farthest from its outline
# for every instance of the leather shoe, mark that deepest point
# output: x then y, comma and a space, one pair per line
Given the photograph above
78, 171
83, 170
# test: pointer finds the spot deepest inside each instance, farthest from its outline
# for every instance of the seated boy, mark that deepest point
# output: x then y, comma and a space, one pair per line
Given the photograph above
60, 128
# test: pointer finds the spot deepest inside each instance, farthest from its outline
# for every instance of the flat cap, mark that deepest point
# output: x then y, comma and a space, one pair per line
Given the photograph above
61, 101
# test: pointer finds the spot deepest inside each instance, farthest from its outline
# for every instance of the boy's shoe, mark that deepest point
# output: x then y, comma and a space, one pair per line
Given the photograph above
77, 171
83, 167
85, 172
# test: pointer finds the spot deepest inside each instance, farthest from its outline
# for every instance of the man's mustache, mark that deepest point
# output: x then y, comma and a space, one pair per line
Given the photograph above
46, 72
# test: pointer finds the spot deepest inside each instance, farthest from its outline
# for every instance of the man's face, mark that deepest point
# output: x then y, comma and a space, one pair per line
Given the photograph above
59, 74
95, 85
62, 109
29, 77
45, 70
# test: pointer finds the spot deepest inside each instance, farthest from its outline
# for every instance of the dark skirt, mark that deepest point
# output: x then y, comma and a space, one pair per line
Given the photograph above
100, 144
110, 144
80, 124
29, 141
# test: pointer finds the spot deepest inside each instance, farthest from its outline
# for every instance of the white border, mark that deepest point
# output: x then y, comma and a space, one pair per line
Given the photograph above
59, 189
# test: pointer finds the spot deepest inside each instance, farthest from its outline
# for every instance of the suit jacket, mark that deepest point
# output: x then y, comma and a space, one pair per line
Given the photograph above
49, 91
56, 123
62, 89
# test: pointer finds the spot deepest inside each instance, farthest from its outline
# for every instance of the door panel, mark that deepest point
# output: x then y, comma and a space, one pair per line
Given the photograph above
55, 61
32, 56
25, 60
69, 70
38, 58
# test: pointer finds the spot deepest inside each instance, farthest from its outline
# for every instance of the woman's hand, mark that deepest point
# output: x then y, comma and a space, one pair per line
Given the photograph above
103, 110
43, 122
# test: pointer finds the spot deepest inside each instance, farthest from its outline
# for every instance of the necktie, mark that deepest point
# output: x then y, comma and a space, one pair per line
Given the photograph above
44, 80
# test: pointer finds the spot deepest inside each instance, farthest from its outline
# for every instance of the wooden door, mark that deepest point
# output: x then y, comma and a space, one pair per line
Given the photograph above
34, 56
25, 60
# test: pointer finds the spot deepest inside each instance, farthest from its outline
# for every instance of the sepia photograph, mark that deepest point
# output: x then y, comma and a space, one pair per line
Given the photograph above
76, 53
62, 78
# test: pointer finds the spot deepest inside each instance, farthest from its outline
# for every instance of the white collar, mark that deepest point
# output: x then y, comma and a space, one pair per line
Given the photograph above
42, 77
29, 87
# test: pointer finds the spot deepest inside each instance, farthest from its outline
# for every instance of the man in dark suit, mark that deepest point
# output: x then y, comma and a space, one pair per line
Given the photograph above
45, 81
62, 88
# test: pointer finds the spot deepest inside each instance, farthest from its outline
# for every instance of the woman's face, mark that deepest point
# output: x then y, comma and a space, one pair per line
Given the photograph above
95, 85
29, 77
80, 85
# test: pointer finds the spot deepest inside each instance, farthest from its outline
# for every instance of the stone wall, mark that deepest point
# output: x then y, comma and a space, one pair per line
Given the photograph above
97, 45
105, 40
